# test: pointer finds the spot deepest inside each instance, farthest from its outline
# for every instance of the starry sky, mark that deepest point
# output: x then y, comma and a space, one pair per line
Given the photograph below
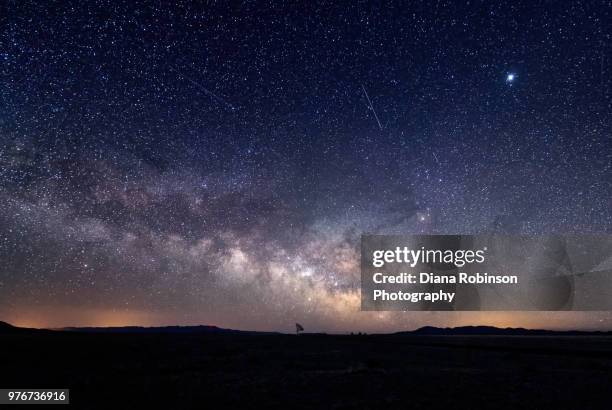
171, 163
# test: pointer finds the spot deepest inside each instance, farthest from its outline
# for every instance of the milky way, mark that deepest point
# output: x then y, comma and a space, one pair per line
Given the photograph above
180, 164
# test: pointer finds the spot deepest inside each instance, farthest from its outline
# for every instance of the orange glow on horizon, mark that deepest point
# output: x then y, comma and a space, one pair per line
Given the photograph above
58, 317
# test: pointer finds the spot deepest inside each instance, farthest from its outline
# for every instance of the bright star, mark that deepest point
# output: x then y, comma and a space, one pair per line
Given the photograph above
510, 78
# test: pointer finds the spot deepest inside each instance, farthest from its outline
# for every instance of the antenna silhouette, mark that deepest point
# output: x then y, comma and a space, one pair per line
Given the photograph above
298, 328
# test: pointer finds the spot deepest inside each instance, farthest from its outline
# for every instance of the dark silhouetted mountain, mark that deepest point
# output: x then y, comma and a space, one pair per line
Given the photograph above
495, 331
6, 328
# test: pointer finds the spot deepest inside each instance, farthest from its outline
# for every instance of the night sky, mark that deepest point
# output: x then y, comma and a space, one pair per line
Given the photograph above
188, 164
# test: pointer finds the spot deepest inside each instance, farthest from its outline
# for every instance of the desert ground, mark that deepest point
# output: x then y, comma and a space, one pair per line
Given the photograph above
312, 371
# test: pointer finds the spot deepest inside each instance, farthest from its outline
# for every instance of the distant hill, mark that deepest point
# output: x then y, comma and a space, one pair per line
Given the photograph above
7, 328
201, 329
493, 331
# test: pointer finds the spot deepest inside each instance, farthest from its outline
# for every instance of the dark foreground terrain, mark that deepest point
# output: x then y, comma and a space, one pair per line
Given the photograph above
109, 370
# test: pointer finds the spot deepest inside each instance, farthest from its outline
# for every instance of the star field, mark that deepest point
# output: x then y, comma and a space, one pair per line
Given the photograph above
179, 163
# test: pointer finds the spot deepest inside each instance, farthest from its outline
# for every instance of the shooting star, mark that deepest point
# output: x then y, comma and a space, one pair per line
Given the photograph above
601, 78
371, 107
204, 89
